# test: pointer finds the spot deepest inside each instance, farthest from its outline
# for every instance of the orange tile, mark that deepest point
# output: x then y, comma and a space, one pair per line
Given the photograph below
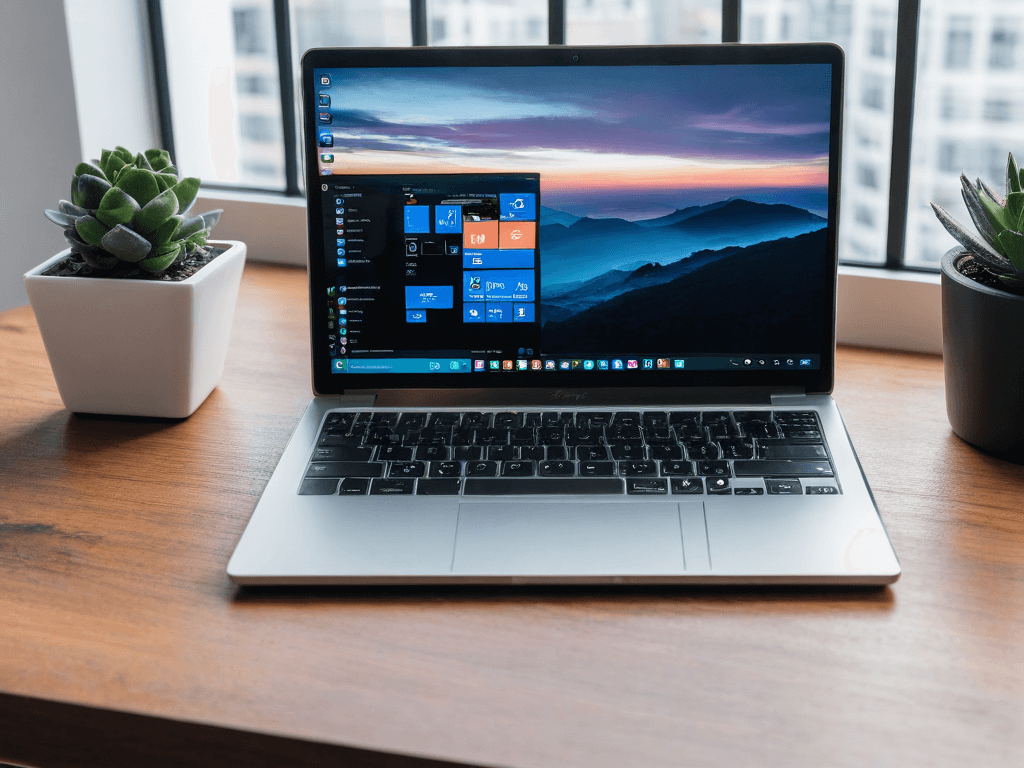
480, 234
518, 234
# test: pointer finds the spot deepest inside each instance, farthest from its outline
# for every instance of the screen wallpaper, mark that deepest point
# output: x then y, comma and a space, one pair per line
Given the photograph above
683, 203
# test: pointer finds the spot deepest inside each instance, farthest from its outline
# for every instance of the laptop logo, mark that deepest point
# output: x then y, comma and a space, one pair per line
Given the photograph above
575, 396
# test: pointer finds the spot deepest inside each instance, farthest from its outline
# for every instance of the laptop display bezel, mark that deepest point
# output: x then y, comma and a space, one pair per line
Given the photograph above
325, 382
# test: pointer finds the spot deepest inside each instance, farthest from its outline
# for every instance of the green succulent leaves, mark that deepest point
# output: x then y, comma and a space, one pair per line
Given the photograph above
129, 208
1000, 222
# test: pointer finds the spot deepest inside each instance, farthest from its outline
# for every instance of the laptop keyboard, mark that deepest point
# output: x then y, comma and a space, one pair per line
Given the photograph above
505, 453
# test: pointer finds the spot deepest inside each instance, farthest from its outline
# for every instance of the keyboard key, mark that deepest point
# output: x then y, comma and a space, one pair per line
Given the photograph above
500, 452
439, 487
627, 418
407, 469
507, 420
698, 450
736, 449
340, 421
667, 452
551, 435
342, 453
791, 452
384, 419
821, 490
757, 468
345, 469
687, 485
646, 486
719, 485
318, 487
411, 421
468, 452
394, 453
592, 453
481, 468
748, 491
524, 436
476, 419
532, 419
517, 469
355, 486
442, 419
670, 468
561, 468
594, 418
626, 451
339, 439
528, 486
597, 468
532, 452
391, 485
445, 468
783, 487
556, 452
713, 468
638, 468
432, 453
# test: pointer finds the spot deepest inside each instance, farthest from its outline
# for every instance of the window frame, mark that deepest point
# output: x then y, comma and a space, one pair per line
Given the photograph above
890, 305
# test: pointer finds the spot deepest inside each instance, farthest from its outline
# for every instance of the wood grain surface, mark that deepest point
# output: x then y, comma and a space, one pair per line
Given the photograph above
120, 634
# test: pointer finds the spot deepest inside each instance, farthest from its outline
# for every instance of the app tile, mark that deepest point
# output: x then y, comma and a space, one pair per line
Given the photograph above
448, 218
416, 316
517, 235
480, 234
417, 219
518, 206
494, 259
474, 312
429, 297
500, 312
499, 285
523, 313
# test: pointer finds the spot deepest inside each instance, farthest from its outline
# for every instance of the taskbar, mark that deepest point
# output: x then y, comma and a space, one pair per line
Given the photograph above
485, 364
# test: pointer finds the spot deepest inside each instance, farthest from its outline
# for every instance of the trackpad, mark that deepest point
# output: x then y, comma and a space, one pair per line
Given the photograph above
558, 537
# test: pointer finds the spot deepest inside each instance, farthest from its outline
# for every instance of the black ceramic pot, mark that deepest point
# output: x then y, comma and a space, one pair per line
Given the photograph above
983, 357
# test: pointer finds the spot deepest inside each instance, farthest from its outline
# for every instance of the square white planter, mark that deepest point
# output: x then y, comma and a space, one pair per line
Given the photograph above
138, 347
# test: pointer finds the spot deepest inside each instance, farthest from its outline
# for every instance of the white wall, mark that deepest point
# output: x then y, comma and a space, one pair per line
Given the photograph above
39, 141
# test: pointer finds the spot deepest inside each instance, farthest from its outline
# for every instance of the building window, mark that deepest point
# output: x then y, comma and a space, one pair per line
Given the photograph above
255, 85
251, 31
867, 176
998, 110
864, 215
1002, 53
872, 93
958, 43
258, 127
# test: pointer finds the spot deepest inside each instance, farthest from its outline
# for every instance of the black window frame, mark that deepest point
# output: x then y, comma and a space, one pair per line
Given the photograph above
907, 26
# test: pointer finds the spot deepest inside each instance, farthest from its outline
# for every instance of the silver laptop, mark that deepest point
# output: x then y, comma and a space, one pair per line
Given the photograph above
573, 321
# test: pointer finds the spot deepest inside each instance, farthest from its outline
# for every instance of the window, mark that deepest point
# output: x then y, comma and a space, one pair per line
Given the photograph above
958, 43
230, 95
1003, 48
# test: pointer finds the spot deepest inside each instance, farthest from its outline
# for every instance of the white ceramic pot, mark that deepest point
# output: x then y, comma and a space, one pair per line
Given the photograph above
138, 347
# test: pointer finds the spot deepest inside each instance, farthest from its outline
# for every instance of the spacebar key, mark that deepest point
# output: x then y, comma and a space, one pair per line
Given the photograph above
521, 486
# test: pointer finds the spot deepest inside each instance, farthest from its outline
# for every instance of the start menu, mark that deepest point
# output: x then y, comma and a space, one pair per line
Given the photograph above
428, 271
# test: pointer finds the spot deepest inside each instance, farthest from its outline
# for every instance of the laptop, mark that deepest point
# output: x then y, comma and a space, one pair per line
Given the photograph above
573, 321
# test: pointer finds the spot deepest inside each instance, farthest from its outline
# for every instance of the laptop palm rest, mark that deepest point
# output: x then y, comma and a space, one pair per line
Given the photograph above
577, 537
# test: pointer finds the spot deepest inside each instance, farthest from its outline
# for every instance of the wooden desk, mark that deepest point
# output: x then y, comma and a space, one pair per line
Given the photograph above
122, 642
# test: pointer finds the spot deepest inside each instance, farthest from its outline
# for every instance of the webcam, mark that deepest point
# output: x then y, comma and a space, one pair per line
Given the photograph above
575, 58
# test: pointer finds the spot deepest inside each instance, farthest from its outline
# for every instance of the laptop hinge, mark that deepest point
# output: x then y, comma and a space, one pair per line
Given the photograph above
789, 395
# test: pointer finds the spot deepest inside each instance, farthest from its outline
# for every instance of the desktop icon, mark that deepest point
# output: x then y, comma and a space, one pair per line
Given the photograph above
325, 79
324, 99
535, 365
564, 365
648, 365
588, 365
494, 365
478, 365
617, 365
332, 291
506, 365
602, 365
805, 363
678, 364
576, 364
522, 365
326, 140
342, 263
632, 363
663, 362
341, 251
326, 158
549, 365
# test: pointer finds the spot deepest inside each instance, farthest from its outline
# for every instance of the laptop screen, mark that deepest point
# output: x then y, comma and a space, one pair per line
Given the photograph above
572, 217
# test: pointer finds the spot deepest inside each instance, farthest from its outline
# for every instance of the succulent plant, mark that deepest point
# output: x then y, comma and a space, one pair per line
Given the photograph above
130, 209
1000, 222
